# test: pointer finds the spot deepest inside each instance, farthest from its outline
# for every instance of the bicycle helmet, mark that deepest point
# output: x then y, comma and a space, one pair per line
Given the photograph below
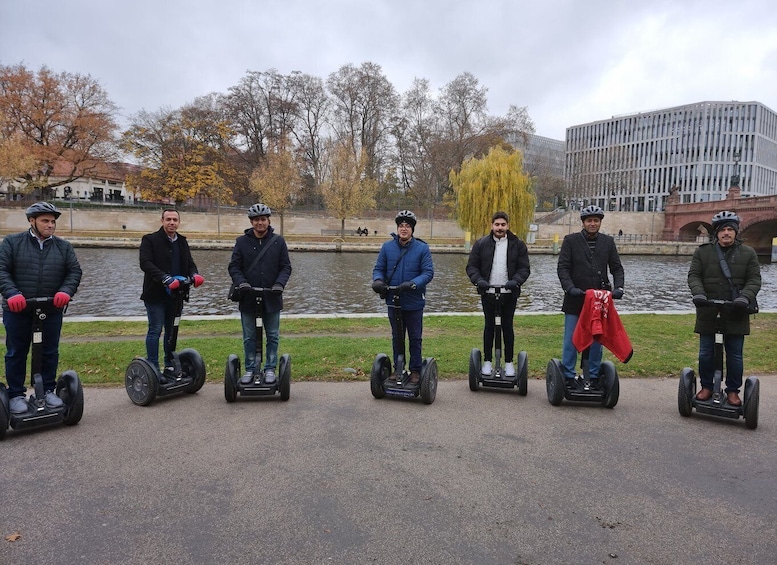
725, 218
406, 216
40, 208
259, 210
591, 211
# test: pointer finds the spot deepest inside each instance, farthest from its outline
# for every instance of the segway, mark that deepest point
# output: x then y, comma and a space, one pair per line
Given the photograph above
582, 388
717, 405
234, 385
144, 381
497, 378
68, 386
398, 384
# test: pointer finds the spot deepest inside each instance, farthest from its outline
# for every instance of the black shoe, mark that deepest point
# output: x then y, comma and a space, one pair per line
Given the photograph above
570, 383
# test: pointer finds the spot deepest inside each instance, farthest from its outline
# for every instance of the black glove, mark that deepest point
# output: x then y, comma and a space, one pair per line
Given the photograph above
407, 285
617, 293
379, 286
699, 300
511, 285
277, 288
741, 302
482, 286
574, 291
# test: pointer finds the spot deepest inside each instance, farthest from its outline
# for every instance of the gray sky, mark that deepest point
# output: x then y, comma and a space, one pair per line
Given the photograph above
568, 61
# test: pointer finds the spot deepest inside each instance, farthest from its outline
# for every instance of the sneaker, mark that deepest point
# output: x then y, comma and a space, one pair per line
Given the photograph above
509, 370
247, 378
415, 376
53, 401
18, 405
571, 383
486, 368
269, 376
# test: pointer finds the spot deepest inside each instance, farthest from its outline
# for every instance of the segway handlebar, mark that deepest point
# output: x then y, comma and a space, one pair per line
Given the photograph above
713, 302
492, 288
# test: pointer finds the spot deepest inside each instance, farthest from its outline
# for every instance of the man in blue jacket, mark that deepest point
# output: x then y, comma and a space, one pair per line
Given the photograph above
406, 262
272, 270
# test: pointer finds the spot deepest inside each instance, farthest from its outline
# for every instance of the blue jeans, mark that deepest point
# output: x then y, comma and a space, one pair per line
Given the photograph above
569, 353
733, 345
160, 314
272, 324
413, 321
18, 336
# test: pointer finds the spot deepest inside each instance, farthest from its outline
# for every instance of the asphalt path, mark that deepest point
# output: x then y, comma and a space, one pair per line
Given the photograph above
336, 476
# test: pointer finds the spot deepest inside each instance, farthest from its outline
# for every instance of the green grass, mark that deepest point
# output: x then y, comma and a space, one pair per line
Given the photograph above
329, 349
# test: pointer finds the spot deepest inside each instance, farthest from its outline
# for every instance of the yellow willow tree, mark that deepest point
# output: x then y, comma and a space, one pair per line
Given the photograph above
277, 182
495, 182
346, 190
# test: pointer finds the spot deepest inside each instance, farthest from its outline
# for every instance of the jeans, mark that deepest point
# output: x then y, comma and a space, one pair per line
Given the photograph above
413, 320
733, 345
272, 324
506, 310
160, 314
569, 353
18, 336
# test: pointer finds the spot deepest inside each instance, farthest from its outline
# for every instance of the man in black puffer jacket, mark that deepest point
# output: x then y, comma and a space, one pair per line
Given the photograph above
35, 264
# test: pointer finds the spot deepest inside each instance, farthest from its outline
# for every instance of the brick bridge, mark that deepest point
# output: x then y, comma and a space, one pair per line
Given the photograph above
684, 222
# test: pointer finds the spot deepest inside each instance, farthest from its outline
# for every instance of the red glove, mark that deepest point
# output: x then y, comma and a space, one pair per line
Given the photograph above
61, 299
171, 282
17, 303
198, 280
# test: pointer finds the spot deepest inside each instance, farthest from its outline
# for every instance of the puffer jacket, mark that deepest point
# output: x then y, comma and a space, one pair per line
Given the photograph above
481, 259
705, 277
36, 272
414, 265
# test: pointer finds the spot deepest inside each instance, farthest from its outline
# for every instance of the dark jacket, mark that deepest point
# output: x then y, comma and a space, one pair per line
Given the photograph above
273, 268
156, 262
579, 268
37, 273
395, 266
705, 277
481, 259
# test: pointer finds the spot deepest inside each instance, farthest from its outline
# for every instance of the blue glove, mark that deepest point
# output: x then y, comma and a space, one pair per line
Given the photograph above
617, 293
574, 291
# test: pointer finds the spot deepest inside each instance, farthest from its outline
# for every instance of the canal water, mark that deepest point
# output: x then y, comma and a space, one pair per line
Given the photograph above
339, 283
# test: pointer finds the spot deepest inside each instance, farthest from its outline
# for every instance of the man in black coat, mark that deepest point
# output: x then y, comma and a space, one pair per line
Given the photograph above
583, 263
499, 259
165, 259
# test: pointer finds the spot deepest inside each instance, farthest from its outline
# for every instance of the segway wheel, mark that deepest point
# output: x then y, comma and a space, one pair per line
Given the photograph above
284, 376
554, 382
685, 392
231, 373
4, 416
475, 364
429, 380
522, 363
611, 384
381, 369
141, 382
752, 394
193, 366
71, 392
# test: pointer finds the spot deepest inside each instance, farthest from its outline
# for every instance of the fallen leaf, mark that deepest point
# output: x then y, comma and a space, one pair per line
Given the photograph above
13, 537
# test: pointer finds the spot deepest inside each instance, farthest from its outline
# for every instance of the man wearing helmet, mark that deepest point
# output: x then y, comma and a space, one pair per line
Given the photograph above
270, 270
164, 258
405, 261
35, 264
707, 281
583, 263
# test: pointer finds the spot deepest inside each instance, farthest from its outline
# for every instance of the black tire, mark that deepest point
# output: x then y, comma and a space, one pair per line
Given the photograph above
475, 364
685, 392
381, 369
752, 398
71, 392
231, 374
522, 370
192, 366
611, 384
284, 377
554, 382
4, 412
429, 380
141, 382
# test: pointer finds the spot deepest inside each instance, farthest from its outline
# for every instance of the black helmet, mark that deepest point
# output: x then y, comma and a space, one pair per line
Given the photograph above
725, 218
591, 211
40, 208
406, 216
259, 210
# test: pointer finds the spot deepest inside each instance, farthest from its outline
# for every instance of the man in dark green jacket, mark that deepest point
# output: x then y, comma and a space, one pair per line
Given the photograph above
707, 282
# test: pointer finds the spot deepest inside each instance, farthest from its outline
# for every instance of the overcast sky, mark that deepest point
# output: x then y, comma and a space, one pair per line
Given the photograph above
568, 61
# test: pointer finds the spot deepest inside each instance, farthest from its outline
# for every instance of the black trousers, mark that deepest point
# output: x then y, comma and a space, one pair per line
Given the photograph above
507, 303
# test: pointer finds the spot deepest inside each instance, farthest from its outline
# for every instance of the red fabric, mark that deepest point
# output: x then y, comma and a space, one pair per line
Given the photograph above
600, 321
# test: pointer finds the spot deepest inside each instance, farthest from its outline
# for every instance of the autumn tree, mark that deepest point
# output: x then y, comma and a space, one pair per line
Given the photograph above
347, 191
277, 182
489, 184
63, 118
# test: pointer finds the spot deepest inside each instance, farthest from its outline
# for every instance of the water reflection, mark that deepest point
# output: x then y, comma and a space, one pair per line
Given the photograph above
326, 283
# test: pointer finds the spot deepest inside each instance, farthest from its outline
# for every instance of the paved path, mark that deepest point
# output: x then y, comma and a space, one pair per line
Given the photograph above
335, 476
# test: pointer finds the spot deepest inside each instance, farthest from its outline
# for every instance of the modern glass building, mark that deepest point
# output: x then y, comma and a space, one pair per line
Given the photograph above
633, 162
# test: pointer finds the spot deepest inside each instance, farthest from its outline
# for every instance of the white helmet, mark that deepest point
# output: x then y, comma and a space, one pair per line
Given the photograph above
259, 210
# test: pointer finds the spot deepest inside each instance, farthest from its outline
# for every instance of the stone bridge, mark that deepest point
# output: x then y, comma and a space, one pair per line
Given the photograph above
684, 222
